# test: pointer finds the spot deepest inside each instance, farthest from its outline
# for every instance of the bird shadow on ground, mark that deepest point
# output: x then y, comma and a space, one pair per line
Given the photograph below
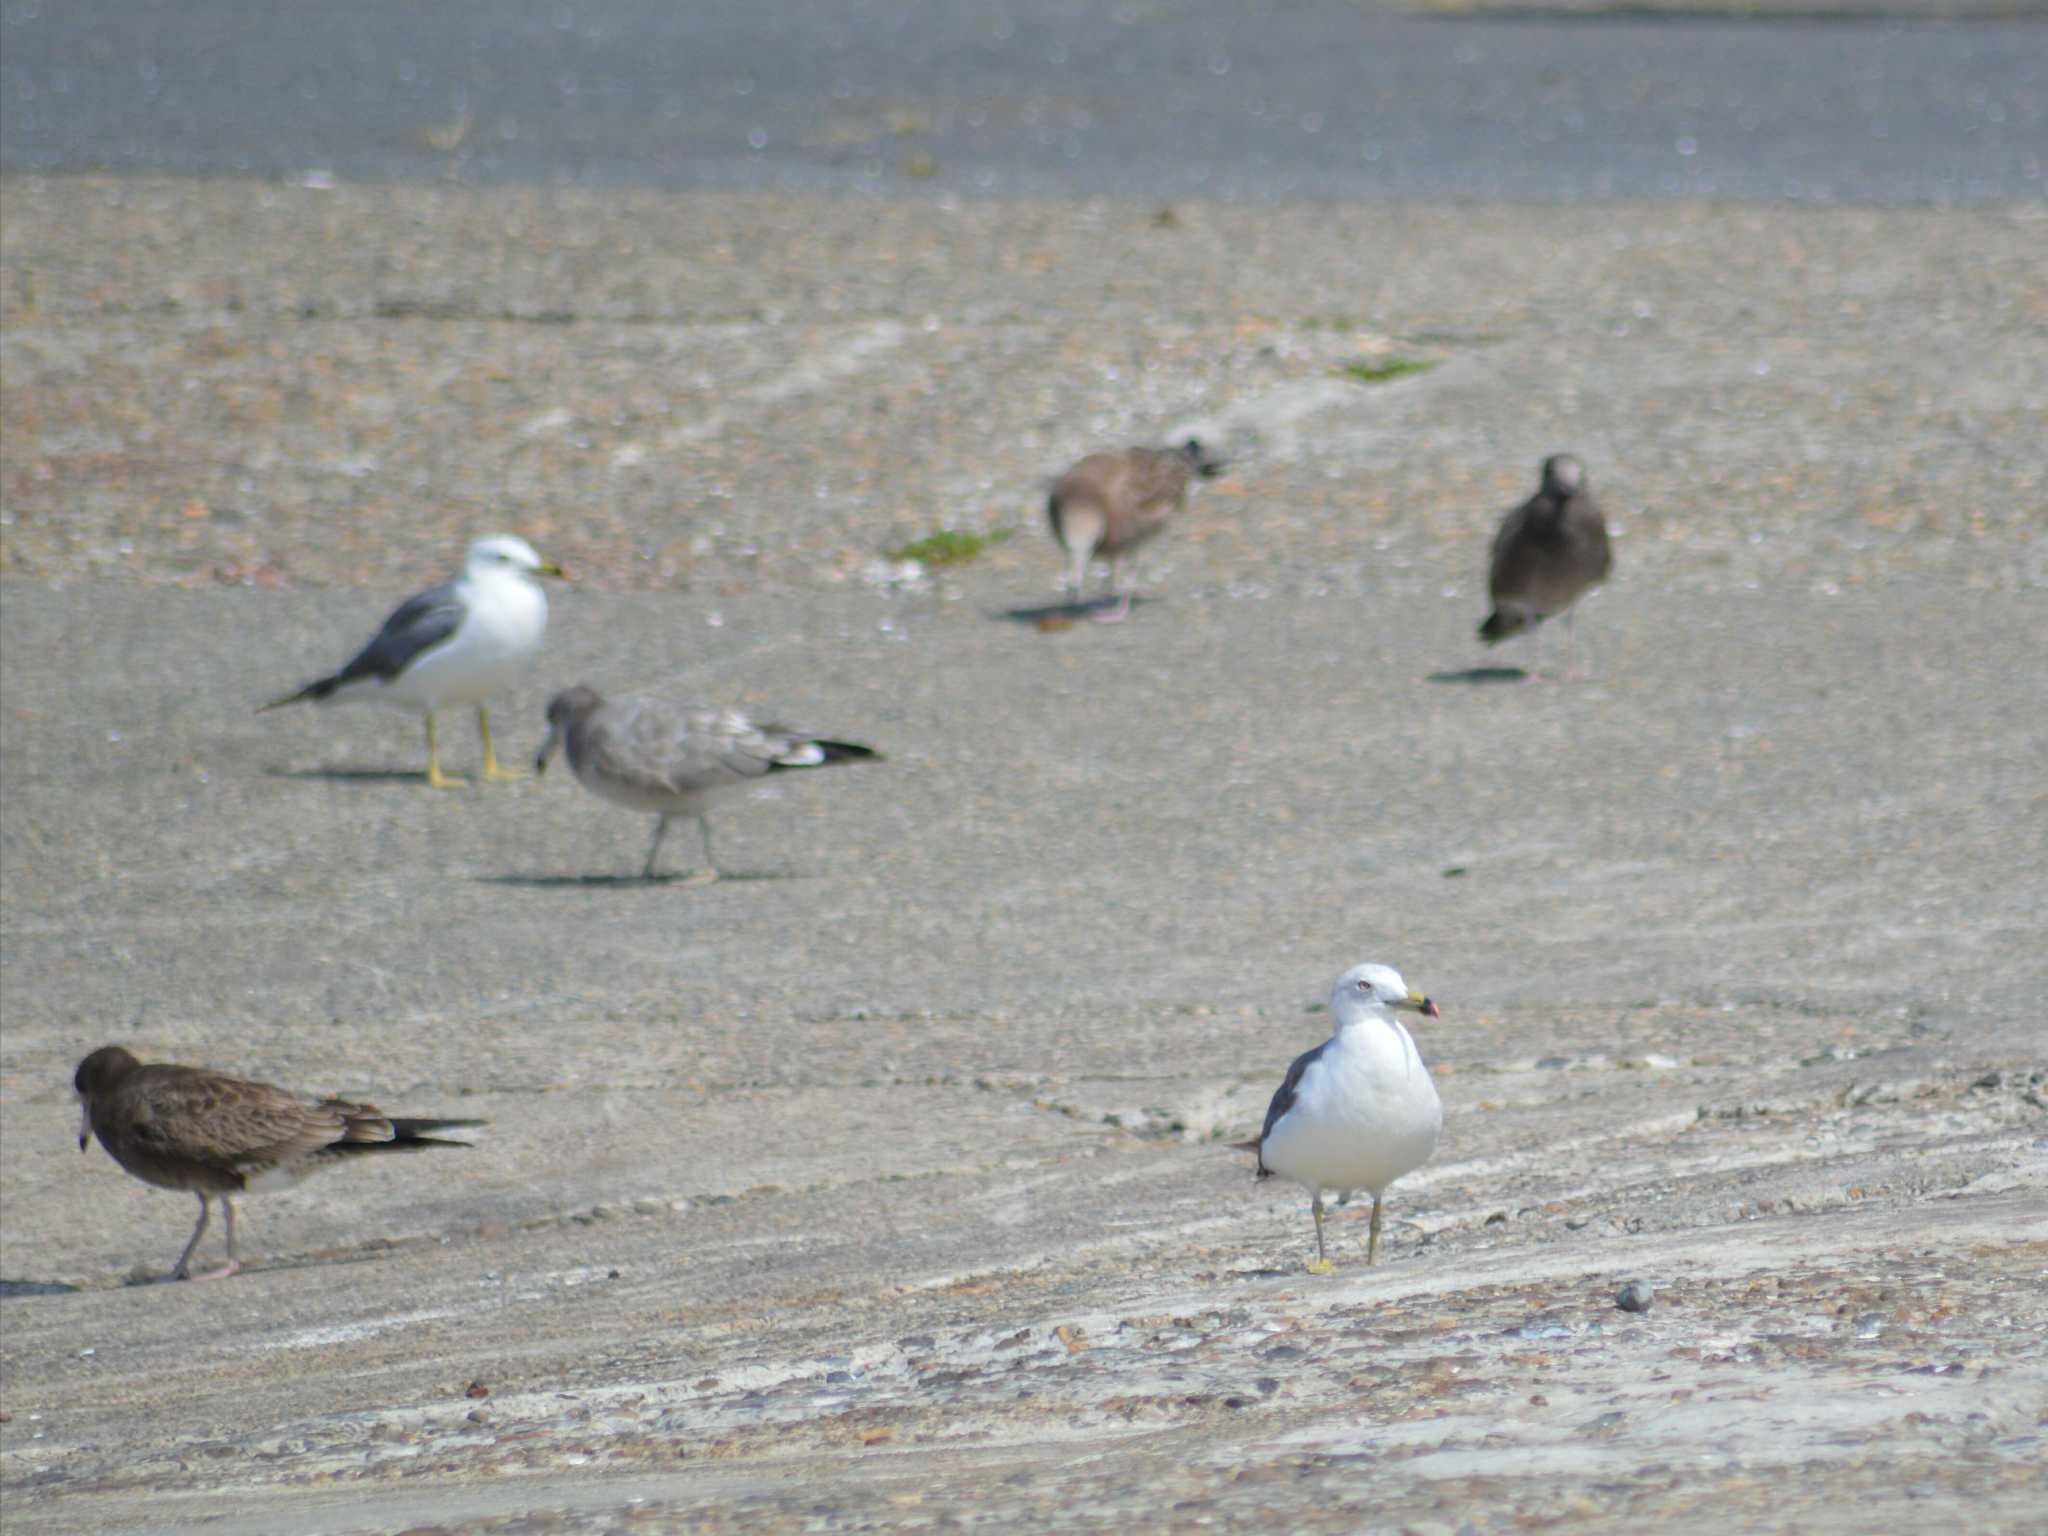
1058, 615
141, 1276
350, 775
629, 882
1476, 676
16, 1288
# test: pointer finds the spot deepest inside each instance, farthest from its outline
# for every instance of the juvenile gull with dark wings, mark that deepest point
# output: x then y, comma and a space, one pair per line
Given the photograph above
218, 1136
1550, 551
1359, 1110
1109, 503
673, 759
457, 643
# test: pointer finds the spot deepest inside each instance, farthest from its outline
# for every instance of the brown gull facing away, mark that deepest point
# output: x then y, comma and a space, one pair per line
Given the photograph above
1550, 551
219, 1136
1109, 503
672, 759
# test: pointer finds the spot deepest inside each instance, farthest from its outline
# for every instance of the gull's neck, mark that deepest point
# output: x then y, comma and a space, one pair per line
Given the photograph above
1375, 1031
494, 572
1356, 1018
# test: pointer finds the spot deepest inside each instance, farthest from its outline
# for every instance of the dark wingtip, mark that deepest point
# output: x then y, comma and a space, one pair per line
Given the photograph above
315, 691
1206, 464
849, 752
1495, 629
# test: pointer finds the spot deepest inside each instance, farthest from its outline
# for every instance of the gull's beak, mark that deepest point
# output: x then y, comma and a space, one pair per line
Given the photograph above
549, 568
1417, 1003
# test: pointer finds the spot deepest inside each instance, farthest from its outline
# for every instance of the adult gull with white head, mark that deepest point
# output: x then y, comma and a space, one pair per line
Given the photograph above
1359, 1110
456, 643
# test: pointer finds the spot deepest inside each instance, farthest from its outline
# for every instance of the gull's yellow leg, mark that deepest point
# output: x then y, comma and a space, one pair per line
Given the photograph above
493, 771
1372, 1243
435, 777
1322, 1264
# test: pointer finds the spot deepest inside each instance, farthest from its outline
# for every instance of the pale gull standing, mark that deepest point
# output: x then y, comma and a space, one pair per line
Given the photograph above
1359, 1110
672, 759
457, 643
218, 1136
1109, 503
1550, 552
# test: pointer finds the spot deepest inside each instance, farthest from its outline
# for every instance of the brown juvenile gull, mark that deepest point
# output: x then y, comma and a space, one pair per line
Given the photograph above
457, 643
217, 1136
671, 759
1550, 551
1111, 502
1359, 1110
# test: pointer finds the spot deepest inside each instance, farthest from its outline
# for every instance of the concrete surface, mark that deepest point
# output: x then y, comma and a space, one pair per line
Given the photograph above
884, 1187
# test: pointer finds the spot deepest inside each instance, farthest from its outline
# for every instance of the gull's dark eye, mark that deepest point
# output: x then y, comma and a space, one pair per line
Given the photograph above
1364, 985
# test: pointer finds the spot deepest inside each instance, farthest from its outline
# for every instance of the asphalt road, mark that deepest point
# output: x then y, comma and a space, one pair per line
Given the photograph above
1323, 99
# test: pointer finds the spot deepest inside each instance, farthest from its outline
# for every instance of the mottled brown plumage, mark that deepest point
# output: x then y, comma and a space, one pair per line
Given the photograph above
674, 759
216, 1136
1111, 502
1550, 551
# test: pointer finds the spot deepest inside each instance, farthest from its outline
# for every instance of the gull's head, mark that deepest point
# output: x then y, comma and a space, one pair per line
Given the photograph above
1371, 989
100, 1073
564, 710
508, 552
1563, 475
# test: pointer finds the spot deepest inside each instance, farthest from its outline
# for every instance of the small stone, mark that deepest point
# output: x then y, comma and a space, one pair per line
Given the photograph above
476, 1389
1634, 1296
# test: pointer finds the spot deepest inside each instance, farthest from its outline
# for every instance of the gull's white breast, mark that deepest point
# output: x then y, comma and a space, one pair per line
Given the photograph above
1364, 1113
499, 635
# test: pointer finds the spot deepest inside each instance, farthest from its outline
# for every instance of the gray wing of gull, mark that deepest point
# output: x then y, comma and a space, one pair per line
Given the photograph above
680, 750
1283, 1096
420, 623
1546, 554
